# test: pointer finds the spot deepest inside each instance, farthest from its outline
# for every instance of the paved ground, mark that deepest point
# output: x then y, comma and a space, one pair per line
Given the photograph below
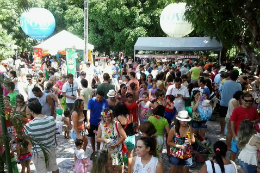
66, 149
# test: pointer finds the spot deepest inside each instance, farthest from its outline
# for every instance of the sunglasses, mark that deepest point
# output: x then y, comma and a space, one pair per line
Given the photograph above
29, 79
248, 101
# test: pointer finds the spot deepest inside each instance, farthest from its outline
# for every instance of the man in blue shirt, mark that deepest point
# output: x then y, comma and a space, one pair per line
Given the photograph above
95, 107
228, 89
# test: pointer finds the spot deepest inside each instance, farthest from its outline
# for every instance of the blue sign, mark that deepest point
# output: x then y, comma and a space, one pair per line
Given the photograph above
37, 23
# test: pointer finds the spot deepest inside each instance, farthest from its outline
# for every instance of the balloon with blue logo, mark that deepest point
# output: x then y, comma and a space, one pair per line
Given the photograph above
37, 23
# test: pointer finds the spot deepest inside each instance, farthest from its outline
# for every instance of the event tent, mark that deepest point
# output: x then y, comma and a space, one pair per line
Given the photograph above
63, 40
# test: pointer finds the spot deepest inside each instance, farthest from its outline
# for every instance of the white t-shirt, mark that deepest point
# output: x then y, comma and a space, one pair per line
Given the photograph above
179, 103
70, 89
29, 90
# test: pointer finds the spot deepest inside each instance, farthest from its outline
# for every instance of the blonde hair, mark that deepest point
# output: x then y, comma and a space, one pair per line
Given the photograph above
245, 132
99, 162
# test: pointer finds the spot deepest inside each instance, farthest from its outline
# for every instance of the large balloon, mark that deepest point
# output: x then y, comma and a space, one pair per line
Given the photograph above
172, 20
37, 23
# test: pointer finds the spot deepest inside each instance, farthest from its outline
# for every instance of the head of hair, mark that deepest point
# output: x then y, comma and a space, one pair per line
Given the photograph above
67, 113
170, 97
160, 76
237, 95
132, 74
13, 73
177, 79
194, 93
51, 72
150, 142
127, 77
32, 99
64, 76
78, 142
100, 93
190, 87
184, 76
99, 161
209, 85
49, 86
203, 81
234, 75
70, 75
107, 110
76, 105
246, 95
84, 83
11, 85
106, 77
178, 74
220, 150
129, 95
245, 132
121, 109
169, 78
29, 76
159, 110
158, 93
35, 106
7, 98
132, 85
145, 94
36, 89
121, 86
20, 97
147, 128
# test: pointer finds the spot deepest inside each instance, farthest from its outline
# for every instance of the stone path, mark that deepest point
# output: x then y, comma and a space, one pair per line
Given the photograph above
65, 149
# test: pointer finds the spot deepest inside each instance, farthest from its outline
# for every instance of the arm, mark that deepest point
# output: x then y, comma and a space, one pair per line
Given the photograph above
49, 101
75, 119
192, 138
122, 134
170, 141
233, 130
133, 163
235, 103
203, 169
88, 118
194, 108
159, 167
65, 95
167, 128
99, 134
78, 90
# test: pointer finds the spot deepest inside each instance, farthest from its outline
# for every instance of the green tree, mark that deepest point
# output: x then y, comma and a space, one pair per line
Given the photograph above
235, 23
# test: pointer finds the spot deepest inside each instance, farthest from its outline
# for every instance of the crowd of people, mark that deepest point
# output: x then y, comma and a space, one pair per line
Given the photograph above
131, 108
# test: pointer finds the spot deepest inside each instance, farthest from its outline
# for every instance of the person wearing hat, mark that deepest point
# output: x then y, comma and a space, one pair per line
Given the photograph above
180, 139
112, 101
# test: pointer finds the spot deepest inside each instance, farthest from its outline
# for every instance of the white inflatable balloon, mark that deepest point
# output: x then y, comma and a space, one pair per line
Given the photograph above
173, 22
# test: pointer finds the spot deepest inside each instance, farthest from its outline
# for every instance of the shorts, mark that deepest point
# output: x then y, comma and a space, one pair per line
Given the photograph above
130, 142
248, 168
223, 111
234, 147
90, 131
69, 106
199, 124
39, 161
73, 134
180, 162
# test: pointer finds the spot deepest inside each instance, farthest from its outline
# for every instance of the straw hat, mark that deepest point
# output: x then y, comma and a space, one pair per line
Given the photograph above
183, 116
111, 93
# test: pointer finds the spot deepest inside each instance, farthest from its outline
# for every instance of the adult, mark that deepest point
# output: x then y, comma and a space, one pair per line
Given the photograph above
111, 135
143, 89
245, 111
184, 70
45, 101
112, 101
232, 104
150, 81
228, 89
146, 160
100, 161
115, 75
85, 94
105, 86
132, 80
82, 76
77, 121
42, 129
180, 139
14, 79
219, 164
121, 95
70, 91
30, 86
53, 78
132, 108
140, 72
195, 72
123, 116
95, 107
202, 86
180, 93
41, 79
142, 78
160, 82
95, 82
58, 86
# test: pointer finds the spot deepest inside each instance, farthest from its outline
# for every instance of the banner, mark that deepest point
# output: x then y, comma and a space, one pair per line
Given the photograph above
37, 56
71, 61
79, 58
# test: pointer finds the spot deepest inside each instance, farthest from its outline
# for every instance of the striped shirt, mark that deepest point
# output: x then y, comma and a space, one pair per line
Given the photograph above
42, 132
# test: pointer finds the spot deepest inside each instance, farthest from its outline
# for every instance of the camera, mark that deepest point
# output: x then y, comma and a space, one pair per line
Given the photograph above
73, 95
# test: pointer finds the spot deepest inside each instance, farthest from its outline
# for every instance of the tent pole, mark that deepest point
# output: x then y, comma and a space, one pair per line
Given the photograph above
86, 30
134, 55
220, 58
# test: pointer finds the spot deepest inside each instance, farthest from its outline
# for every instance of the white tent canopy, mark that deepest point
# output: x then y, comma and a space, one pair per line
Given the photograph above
63, 40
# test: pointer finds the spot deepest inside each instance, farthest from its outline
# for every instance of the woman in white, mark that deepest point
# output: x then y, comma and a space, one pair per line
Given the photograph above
232, 104
146, 160
219, 164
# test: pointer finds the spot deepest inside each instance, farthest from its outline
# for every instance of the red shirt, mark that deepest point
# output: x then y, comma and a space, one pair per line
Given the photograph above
132, 110
240, 113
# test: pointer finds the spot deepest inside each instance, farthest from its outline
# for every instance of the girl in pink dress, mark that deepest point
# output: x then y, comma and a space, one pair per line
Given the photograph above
82, 163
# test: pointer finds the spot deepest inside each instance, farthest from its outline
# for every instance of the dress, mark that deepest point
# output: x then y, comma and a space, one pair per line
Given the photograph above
110, 132
150, 167
249, 154
144, 111
79, 167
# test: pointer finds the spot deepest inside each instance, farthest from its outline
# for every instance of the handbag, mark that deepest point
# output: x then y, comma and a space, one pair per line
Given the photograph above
124, 147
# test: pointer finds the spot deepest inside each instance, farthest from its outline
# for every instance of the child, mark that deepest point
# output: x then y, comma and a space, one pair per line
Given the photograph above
144, 108
24, 155
12, 94
13, 158
67, 125
170, 111
8, 109
82, 164
205, 101
132, 108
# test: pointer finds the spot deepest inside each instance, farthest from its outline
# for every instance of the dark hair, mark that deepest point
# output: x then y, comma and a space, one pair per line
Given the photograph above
13, 73
67, 113
127, 77
194, 93
11, 85
20, 97
106, 76
151, 143
49, 86
190, 87
158, 93
178, 74
70, 75
146, 94
32, 99
101, 93
147, 128
121, 86
244, 84
29, 76
209, 85
234, 75
121, 109
51, 72
36, 89
160, 76
220, 149
184, 76
132, 85
237, 95
84, 83
177, 79
78, 142
35, 106
169, 78
132, 74
246, 95
76, 105
83, 73
202, 80
129, 95
159, 110
170, 97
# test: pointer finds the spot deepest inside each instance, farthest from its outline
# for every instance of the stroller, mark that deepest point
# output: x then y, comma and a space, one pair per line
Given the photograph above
200, 152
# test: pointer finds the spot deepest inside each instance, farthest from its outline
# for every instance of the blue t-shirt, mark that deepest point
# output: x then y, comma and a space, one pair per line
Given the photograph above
217, 79
96, 109
228, 89
116, 69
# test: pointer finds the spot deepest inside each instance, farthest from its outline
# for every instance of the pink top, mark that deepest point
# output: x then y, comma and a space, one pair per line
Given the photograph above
60, 85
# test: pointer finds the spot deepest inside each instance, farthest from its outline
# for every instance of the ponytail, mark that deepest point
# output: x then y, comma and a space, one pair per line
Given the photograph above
220, 149
152, 143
